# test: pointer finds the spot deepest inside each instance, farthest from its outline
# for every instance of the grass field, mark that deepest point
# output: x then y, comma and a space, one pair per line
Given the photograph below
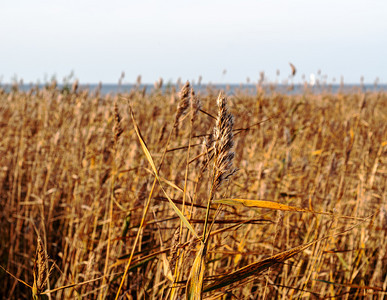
167, 195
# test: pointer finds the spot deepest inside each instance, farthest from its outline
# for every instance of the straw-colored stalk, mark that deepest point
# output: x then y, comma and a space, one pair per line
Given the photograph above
41, 272
223, 158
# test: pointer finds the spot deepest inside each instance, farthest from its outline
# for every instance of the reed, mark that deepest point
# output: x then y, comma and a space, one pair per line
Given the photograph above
137, 196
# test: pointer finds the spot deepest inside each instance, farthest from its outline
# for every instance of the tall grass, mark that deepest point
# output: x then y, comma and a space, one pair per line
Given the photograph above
121, 195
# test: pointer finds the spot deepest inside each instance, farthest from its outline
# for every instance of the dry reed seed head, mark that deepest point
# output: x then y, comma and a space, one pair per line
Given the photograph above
224, 170
196, 104
138, 81
158, 84
75, 86
40, 271
117, 123
183, 103
223, 142
162, 132
223, 136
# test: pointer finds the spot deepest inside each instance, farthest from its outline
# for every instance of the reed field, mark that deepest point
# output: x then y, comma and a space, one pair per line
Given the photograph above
181, 194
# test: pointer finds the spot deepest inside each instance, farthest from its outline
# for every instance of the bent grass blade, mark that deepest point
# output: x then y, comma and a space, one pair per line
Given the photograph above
276, 206
195, 280
151, 162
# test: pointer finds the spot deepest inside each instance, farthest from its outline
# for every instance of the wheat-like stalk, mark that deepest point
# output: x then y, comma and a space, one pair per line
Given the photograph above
117, 124
41, 272
223, 143
64, 161
196, 104
183, 103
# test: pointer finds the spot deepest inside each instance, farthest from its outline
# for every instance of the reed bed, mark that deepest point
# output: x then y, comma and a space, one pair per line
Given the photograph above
174, 194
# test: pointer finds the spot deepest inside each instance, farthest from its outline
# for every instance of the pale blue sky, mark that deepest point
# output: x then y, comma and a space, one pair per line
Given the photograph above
186, 39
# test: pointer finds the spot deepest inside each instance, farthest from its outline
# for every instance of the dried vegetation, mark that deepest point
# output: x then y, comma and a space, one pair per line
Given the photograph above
166, 195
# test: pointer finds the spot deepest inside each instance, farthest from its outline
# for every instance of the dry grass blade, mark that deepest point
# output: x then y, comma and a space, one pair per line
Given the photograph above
72, 285
179, 213
276, 206
355, 286
259, 267
256, 268
143, 144
249, 127
124, 259
13, 276
195, 281
168, 182
73, 171
180, 202
151, 162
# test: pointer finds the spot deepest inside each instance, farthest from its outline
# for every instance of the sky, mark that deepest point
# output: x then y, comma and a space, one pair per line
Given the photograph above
219, 41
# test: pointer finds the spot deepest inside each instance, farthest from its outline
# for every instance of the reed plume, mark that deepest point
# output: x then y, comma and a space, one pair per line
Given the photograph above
182, 106
223, 142
41, 272
196, 104
183, 103
117, 124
